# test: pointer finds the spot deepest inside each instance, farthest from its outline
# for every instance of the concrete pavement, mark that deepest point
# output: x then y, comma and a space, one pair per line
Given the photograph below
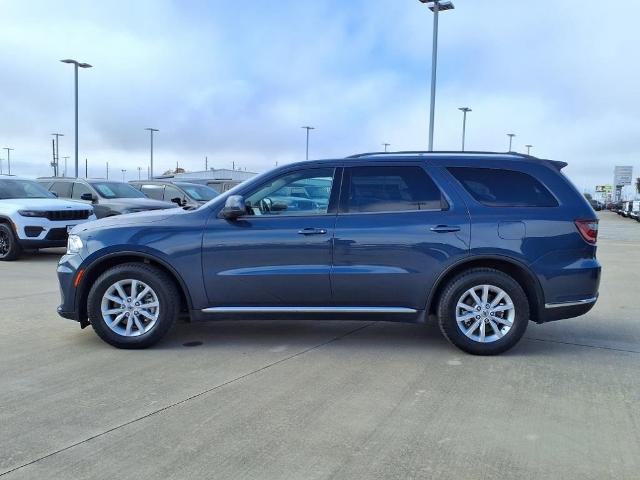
307, 400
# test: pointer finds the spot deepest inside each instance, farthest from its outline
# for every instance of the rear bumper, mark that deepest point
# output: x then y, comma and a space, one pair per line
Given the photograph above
563, 310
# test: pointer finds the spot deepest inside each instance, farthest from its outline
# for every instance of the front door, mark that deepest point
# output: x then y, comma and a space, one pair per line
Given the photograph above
396, 231
279, 254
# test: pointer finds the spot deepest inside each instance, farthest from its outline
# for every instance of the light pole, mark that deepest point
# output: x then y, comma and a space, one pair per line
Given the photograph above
123, 172
528, 149
464, 111
57, 159
308, 129
8, 159
511, 135
435, 6
151, 130
1, 160
139, 169
64, 174
76, 65
386, 145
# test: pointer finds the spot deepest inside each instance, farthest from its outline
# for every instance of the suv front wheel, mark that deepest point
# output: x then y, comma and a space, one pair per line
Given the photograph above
133, 305
483, 311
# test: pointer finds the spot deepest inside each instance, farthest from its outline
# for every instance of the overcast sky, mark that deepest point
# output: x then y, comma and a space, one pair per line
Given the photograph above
236, 80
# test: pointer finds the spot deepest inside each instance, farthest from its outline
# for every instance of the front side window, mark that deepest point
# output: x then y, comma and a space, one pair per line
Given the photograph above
116, 190
503, 188
61, 189
390, 189
172, 192
289, 194
80, 189
153, 191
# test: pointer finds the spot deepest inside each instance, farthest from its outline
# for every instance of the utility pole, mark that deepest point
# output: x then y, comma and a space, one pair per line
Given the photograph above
8, 159
56, 158
464, 111
528, 149
76, 64
308, 129
511, 135
86, 168
64, 174
107, 170
123, 172
53, 161
139, 169
386, 145
151, 130
435, 6
206, 163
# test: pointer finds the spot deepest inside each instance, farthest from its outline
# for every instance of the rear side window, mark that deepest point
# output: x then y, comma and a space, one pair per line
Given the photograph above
390, 189
503, 188
62, 189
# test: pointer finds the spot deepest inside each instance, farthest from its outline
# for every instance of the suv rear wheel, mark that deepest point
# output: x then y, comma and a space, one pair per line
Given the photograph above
133, 305
483, 311
9, 246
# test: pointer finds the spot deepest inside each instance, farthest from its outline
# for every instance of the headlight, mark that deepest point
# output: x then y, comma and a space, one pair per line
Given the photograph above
74, 244
32, 213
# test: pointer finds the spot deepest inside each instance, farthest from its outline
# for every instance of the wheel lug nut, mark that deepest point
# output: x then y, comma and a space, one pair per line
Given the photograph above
477, 317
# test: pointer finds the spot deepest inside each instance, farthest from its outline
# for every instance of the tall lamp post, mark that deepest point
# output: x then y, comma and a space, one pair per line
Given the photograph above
76, 65
308, 129
511, 135
64, 174
8, 159
528, 149
435, 6
464, 111
123, 172
151, 130
57, 159
386, 147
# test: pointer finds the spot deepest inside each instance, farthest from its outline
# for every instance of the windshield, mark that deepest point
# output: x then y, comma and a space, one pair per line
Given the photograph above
116, 190
23, 189
200, 193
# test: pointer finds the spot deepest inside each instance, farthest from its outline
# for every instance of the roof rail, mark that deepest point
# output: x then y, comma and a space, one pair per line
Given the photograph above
424, 152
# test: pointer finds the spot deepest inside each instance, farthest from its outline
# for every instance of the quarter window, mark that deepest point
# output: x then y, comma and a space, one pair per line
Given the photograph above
503, 188
390, 189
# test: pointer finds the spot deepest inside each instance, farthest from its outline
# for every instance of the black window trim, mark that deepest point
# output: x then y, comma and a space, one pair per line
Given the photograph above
346, 177
505, 205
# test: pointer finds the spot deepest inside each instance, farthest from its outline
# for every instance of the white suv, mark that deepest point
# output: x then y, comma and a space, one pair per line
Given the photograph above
32, 217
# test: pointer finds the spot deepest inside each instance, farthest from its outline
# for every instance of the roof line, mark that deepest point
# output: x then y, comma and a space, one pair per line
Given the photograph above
457, 152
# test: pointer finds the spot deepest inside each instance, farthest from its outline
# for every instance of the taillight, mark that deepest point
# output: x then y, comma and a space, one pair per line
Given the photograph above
589, 230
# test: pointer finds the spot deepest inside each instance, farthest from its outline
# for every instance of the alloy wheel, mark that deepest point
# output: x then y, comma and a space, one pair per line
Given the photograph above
485, 313
130, 308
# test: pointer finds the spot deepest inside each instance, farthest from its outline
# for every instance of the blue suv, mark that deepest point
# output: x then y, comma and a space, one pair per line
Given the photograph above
480, 242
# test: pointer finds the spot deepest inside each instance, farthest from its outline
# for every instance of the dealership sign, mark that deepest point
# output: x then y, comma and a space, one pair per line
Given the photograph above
604, 188
622, 175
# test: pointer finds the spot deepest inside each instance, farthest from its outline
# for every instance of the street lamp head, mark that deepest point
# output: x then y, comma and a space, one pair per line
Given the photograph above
309, 128
442, 5
152, 129
75, 62
68, 60
84, 65
511, 135
465, 109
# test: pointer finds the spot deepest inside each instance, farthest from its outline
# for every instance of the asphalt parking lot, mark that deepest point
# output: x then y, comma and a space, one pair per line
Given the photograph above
307, 400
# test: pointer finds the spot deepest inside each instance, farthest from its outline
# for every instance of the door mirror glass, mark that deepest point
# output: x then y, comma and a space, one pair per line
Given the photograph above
178, 201
234, 207
87, 196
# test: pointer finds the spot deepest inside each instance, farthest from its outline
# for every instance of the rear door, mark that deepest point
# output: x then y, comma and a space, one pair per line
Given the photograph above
397, 229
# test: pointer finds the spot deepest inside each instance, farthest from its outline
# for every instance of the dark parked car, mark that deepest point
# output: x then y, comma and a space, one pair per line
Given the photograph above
108, 198
184, 194
398, 236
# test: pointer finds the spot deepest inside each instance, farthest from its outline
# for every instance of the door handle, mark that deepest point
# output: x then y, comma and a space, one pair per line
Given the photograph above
312, 231
445, 228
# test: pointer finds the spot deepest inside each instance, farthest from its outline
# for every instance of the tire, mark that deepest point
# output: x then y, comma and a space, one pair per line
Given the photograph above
10, 249
126, 331
500, 326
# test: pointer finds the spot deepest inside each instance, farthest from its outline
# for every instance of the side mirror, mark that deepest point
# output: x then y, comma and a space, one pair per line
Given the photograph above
178, 201
234, 207
87, 196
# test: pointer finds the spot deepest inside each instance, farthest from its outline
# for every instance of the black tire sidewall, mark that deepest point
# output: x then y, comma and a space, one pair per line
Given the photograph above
164, 288
14, 246
463, 282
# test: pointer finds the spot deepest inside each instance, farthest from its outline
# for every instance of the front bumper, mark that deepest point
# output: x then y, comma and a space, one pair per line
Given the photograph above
68, 268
